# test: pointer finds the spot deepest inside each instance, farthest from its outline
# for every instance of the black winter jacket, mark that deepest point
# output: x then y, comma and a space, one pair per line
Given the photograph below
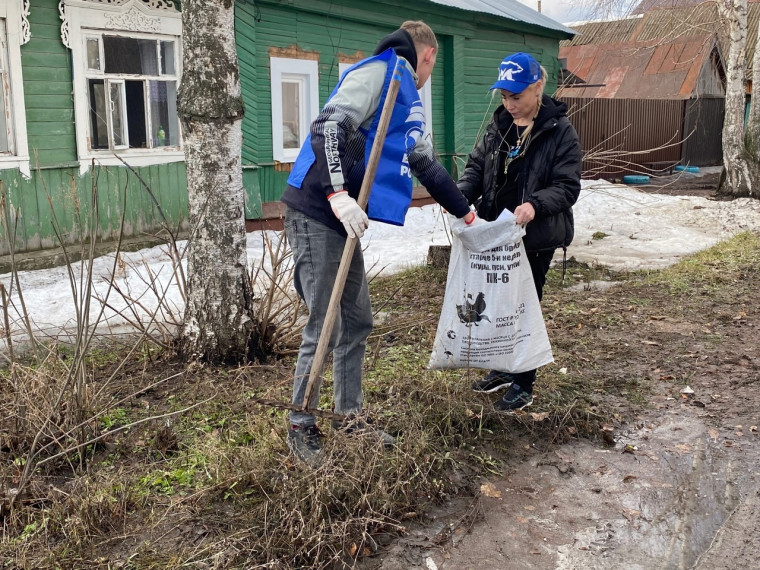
549, 176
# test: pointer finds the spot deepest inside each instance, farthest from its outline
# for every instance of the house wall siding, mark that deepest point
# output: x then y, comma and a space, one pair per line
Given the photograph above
470, 50
54, 202
48, 89
53, 205
709, 83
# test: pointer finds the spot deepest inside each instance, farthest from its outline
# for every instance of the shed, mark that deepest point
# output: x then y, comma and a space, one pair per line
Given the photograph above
652, 92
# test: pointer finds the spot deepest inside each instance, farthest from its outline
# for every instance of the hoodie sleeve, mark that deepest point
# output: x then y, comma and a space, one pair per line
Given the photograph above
353, 104
471, 181
436, 179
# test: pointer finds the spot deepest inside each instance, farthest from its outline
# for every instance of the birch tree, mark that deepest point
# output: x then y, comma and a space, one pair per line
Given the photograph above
219, 320
740, 175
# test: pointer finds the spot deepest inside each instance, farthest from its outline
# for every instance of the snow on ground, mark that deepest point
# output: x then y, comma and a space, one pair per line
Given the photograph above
652, 231
643, 231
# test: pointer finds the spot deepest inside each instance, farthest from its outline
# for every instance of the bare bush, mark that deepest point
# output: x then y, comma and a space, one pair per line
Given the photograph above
278, 308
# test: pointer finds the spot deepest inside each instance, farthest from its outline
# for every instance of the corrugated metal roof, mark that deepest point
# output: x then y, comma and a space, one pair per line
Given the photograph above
603, 32
511, 9
647, 5
665, 25
640, 70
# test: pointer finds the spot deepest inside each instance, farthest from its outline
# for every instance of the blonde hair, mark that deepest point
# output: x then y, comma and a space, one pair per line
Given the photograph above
421, 33
544, 77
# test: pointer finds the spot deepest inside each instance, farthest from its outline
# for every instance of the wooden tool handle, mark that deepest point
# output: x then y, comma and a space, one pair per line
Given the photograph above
333, 307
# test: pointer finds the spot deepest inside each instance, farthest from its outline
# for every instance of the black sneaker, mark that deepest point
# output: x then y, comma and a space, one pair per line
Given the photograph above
495, 380
354, 425
515, 399
305, 442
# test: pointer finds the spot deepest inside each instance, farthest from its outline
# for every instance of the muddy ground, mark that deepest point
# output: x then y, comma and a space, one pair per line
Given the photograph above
674, 484
660, 470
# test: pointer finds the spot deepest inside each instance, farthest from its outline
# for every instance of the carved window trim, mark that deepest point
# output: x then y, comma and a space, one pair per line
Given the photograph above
15, 15
131, 18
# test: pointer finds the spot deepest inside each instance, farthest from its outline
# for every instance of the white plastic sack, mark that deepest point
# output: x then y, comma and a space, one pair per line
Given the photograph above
491, 317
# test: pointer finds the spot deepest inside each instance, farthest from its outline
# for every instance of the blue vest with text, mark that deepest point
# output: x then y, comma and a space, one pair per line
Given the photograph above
391, 191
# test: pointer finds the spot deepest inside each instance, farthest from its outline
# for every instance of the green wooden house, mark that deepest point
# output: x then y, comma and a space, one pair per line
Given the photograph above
89, 88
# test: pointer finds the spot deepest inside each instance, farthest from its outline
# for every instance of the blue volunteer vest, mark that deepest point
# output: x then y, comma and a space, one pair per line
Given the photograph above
391, 191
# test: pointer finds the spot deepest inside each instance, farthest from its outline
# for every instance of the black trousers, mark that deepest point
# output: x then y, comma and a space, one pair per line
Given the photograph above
540, 261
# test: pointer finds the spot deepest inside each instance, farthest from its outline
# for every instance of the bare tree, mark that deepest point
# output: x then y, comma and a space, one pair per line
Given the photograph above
740, 168
606, 9
219, 322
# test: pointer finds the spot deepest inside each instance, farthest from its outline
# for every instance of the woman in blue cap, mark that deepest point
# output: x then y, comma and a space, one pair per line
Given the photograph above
529, 162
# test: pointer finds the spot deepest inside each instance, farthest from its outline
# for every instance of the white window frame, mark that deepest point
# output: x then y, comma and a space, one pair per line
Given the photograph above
13, 13
128, 18
305, 72
426, 96
342, 67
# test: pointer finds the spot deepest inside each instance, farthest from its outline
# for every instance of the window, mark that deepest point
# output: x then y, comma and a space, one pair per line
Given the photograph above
295, 104
6, 130
426, 95
342, 67
132, 92
14, 31
127, 64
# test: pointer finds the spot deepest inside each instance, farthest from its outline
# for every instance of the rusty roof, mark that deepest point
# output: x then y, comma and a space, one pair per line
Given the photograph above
640, 70
665, 25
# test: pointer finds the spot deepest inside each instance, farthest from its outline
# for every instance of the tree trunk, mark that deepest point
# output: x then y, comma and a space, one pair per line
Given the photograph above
219, 320
740, 172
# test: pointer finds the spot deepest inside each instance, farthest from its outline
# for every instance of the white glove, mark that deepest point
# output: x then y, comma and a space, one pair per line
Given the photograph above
348, 211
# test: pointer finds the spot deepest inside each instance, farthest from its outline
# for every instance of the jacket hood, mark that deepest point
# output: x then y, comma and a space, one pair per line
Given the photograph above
402, 43
550, 109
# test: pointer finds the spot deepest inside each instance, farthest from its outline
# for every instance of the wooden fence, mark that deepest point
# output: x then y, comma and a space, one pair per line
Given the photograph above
646, 136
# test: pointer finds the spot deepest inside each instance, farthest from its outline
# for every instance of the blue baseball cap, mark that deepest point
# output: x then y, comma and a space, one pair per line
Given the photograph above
517, 71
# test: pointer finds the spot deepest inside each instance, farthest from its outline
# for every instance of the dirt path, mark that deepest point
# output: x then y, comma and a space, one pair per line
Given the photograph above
677, 487
680, 489
661, 505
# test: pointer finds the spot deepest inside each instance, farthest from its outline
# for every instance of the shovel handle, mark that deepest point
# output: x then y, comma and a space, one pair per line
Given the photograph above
333, 307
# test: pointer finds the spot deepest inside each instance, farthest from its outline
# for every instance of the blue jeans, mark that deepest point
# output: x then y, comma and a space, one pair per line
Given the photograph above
317, 250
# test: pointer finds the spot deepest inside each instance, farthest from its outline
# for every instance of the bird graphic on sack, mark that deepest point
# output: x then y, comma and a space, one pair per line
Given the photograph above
472, 312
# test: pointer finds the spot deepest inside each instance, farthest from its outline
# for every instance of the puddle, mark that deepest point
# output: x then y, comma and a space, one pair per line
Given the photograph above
656, 500
680, 494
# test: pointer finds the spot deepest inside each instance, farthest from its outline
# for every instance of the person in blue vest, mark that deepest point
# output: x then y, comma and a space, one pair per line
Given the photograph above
529, 162
322, 212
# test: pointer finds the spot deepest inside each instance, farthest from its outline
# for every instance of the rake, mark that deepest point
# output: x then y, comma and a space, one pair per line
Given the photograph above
320, 355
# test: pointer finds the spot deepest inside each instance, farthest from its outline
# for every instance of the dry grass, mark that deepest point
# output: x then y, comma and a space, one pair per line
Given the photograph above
192, 473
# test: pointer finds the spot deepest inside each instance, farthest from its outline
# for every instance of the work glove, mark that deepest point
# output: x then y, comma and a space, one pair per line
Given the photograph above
346, 209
